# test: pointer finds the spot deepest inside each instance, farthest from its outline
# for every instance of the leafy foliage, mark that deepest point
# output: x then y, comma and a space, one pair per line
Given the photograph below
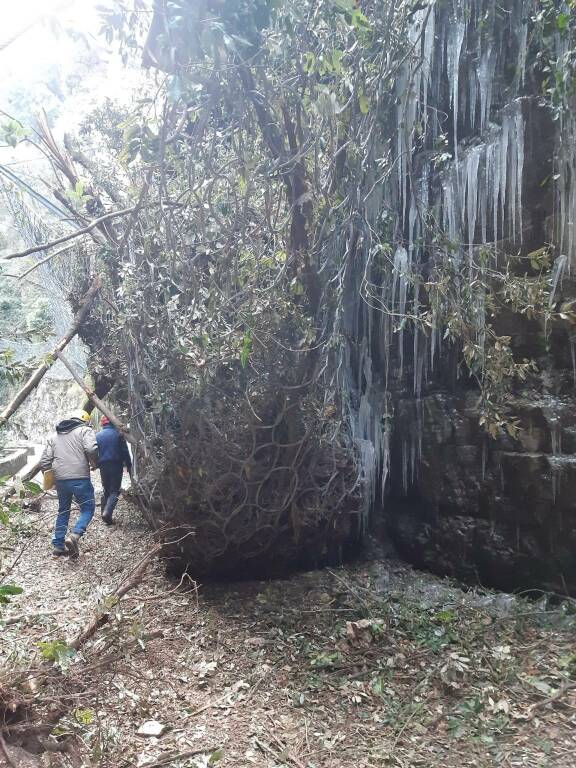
57, 651
259, 251
7, 591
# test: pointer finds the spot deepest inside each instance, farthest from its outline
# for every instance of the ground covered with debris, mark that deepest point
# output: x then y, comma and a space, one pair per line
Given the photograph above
107, 662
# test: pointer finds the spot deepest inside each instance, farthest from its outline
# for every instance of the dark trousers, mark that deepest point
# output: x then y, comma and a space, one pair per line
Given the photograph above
111, 475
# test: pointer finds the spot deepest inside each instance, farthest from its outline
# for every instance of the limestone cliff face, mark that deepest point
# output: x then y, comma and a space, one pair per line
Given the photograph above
54, 399
496, 511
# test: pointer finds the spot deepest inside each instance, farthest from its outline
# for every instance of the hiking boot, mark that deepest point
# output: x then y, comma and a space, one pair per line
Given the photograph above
59, 551
107, 518
72, 546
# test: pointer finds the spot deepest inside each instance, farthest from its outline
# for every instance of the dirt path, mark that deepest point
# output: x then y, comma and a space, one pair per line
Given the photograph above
368, 665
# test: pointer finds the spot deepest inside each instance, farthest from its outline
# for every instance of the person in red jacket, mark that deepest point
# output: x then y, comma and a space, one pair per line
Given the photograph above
113, 457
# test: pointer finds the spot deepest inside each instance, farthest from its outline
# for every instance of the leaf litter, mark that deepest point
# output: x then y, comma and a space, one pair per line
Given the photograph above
371, 664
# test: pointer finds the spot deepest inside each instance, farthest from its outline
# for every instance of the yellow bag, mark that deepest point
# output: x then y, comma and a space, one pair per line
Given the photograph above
48, 481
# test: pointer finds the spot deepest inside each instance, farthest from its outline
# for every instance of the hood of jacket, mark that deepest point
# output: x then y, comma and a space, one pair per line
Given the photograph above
67, 425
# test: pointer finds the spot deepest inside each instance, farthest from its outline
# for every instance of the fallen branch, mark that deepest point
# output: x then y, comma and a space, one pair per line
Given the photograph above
131, 581
38, 374
278, 755
551, 699
27, 617
51, 256
64, 239
32, 472
93, 397
174, 756
284, 749
211, 704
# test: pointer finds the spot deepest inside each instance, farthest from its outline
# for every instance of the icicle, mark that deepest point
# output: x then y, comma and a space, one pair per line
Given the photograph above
558, 270
512, 189
472, 165
493, 182
503, 169
419, 427
427, 60
566, 171
413, 226
433, 340
483, 197
556, 438
455, 41
404, 467
473, 93
485, 80
419, 351
401, 150
400, 289
449, 213
522, 50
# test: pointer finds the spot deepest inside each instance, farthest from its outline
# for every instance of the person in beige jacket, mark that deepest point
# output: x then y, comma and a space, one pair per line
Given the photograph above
71, 453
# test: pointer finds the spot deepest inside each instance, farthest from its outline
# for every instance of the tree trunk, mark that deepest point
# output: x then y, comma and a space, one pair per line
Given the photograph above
93, 397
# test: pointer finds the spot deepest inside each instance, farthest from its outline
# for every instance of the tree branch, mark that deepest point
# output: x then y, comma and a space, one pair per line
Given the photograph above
93, 397
71, 236
132, 580
38, 374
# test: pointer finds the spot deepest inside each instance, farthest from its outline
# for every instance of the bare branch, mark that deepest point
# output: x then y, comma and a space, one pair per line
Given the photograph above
71, 236
38, 374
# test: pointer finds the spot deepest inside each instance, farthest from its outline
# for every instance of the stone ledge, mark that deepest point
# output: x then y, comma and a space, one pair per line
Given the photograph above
13, 462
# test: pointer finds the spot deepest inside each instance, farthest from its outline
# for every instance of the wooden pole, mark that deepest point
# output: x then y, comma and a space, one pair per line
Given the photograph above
38, 374
31, 472
93, 397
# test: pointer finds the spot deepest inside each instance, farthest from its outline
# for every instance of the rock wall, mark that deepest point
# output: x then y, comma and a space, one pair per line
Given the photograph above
495, 512
53, 400
481, 164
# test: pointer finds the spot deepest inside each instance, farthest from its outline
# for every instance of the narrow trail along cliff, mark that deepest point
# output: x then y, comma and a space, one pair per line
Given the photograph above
372, 664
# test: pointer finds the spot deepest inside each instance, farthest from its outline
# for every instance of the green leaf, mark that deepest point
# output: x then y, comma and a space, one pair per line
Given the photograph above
8, 590
309, 61
562, 22
363, 103
33, 487
337, 56
57, 651
84, 716
359, 21
245, 349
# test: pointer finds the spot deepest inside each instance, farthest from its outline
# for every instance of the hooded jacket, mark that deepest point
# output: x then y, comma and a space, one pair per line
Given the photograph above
71, 451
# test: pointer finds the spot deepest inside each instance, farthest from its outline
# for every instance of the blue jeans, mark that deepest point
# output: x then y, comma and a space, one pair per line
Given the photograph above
82, 491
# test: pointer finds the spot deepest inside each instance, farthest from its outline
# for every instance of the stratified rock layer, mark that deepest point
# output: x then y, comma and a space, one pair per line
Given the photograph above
501, 511
498, 513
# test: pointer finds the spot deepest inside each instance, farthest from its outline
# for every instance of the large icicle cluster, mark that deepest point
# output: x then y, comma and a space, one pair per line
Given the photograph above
458, 185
